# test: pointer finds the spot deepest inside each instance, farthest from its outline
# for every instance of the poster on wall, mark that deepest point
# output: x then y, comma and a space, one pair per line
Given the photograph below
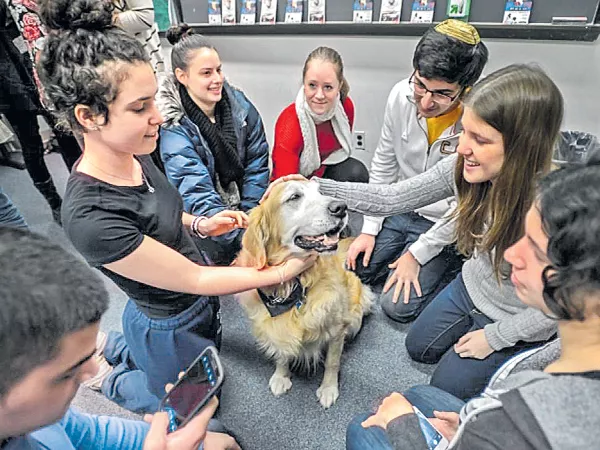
228, 12
293, 11
459, 9
517, 12
268, 11
248, 12
422, 11
390, 11
316, 11
362, 11
214, 12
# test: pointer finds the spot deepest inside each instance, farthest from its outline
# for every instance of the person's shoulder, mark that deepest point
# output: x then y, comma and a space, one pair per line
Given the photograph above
288, 117
401, 91
348, 105
287, 128
289, 111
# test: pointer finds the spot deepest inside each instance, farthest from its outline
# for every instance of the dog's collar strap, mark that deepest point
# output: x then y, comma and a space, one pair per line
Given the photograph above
277, 305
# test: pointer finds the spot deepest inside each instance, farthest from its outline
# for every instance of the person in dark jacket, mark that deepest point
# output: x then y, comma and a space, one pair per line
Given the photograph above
554, 269
33, 32
19, 102
212, 143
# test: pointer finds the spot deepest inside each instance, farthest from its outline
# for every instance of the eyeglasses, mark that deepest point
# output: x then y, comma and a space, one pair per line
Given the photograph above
436, 96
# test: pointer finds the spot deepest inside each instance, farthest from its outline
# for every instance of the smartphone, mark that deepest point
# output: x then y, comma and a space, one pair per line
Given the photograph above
198, 384
435, 440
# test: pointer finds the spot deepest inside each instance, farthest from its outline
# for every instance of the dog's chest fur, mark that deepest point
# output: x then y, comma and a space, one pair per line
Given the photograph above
301, 333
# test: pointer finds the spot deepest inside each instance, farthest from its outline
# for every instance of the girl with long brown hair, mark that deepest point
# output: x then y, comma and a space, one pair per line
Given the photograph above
510, 124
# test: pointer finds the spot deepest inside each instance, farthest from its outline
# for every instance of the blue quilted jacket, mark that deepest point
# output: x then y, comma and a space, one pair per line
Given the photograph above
190, 165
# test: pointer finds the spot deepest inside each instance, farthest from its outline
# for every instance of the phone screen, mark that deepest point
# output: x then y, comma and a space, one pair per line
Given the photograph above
435, 441
195, 388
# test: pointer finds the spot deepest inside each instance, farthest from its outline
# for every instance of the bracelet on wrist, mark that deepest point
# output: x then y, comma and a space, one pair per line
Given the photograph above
194, 227
282, 273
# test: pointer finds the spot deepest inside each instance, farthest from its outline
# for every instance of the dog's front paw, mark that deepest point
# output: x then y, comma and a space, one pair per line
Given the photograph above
279, 384
328, 395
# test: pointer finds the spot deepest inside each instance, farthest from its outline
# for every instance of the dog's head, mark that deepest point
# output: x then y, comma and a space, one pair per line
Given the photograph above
294, 220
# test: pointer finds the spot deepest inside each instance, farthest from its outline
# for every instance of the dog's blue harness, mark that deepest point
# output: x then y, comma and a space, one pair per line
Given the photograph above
277, 305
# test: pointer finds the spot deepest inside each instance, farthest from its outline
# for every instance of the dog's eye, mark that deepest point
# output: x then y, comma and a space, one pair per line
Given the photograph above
294, 197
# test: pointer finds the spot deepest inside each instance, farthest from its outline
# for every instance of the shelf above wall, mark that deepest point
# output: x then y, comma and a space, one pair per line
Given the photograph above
587, 32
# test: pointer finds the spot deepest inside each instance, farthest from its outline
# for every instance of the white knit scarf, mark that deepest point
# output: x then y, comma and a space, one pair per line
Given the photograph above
310, 160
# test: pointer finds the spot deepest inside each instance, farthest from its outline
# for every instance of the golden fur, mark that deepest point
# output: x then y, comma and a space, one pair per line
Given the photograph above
333, 310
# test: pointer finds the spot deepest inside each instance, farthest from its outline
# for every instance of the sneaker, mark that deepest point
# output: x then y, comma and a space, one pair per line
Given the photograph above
104, 369
101, 343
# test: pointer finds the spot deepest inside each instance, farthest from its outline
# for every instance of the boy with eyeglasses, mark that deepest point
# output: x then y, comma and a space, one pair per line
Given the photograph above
421, 126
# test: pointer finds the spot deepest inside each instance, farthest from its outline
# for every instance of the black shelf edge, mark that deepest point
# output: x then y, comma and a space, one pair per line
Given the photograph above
586, 33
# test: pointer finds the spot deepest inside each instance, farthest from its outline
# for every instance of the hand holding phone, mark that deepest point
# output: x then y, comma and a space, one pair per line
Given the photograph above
198, 384
185, 438
435, 440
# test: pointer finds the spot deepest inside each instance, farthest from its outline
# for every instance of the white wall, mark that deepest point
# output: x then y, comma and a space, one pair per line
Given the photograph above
268, 69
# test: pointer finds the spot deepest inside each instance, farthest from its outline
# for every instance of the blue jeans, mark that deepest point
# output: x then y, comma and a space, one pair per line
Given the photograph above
441, 324
151, 352
426, 398
396, 236
10, 216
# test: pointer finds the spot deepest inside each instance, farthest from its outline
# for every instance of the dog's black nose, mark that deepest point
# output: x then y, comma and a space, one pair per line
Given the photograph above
337, 209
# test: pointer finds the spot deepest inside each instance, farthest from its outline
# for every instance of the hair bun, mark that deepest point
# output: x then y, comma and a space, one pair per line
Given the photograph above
76, 14
177, 32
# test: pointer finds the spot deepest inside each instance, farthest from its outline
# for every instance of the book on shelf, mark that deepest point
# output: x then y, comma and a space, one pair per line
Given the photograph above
390, 11
459, 9
228, 12
422, 11
293, 11
362, 11
248, 12
517, 12
268, 11
214, 12
316, 11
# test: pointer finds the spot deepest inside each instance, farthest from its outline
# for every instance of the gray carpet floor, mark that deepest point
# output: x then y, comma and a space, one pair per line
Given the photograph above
373, 365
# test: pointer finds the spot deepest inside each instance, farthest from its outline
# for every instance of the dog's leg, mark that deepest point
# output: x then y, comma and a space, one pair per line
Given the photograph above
328, 392
280, 382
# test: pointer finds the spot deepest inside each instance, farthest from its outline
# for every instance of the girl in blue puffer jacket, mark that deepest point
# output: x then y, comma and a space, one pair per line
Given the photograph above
212, 143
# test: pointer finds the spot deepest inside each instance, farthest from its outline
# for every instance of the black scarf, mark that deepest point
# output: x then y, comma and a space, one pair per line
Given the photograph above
221, 137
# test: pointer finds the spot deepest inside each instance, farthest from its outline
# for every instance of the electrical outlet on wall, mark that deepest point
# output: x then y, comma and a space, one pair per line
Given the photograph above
359, 140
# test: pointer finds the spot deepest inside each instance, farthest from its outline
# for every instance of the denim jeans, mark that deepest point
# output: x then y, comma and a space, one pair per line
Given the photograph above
10, 216
397, 235
426, 398
151, 352
441, 324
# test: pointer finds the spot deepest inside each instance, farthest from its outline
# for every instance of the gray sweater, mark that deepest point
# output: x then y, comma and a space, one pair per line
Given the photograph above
513, 321
522, 408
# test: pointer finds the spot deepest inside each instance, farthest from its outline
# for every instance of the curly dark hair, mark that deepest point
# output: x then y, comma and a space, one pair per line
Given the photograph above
84, 58
569, 205
442, 57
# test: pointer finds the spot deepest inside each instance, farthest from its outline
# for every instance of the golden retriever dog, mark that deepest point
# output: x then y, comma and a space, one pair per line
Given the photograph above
295, 321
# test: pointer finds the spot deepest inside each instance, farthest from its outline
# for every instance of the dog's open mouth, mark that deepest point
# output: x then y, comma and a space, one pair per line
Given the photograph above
327, 242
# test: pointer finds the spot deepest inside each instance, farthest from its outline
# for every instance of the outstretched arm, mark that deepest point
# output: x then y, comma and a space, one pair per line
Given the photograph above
386, 200
157, 265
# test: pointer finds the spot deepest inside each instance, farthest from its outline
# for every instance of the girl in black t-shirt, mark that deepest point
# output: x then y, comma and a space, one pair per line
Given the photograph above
122, 214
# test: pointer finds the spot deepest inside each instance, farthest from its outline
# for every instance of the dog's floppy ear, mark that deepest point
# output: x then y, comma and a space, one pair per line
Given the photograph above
256, 238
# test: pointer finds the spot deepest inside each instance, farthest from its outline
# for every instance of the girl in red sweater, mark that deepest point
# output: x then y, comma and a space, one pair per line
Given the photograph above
313, 136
